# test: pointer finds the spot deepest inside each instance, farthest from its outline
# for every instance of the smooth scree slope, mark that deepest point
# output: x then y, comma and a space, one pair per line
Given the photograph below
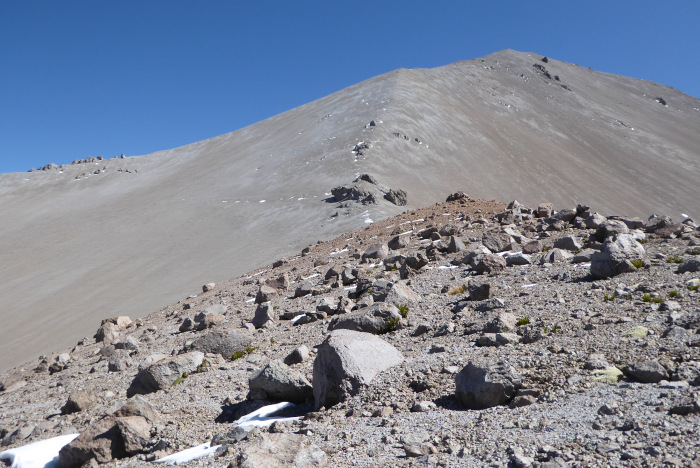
81, 249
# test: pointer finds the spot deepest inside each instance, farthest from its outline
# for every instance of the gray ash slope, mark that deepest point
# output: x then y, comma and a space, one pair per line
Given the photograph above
566, 336
92, 240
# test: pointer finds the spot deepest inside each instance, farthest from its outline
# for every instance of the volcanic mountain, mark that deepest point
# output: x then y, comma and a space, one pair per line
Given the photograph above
125, 236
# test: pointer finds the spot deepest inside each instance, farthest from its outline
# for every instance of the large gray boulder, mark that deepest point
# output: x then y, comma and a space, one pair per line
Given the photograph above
376, 252
485, 384
164, 373
346, 362
497, 241
264, 313
616, 256
223, 343
274, 449
377, 318
278, 382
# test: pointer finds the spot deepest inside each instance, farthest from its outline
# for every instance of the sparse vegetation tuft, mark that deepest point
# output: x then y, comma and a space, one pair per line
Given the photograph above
673, 259
646, 298
403, 310
181, 379
657, 300
523, 321
638, 263
391, 325
461, 289
673, 293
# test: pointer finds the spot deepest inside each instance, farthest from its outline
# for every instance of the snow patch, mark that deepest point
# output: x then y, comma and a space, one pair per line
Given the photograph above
263, 416
200, 451
42, 454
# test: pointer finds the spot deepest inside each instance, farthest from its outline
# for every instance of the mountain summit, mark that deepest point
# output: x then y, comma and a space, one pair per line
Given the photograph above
125, 236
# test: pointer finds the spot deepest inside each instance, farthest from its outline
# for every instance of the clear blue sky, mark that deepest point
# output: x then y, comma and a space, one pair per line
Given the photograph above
88, 78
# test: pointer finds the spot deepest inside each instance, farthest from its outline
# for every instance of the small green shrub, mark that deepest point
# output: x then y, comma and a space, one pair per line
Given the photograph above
646, 298
237, 355
391, 325
609, 298
545, 248
203, 366
673, 293
694, 288
638, 263
272, 341
657, 300
179, 380
250, 349
523, 321
461, 289
403, 310
673, 259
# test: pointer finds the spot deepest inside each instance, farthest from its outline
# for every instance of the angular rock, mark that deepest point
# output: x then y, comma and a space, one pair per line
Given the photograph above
484, 384
610, 228
479, 291
375, 319
139, 406
399, 242
108, 333
455, 245
274, 449
518, 258
79, 401
397, 197
224, 343
135, 432
490, 264
376, 252
497, 241
163, 373
649, 371
264, 313
297, 355
532, 247
278, 382
346, 362
101, 441
594, 221
571, 243
119, 361
691, 265
615, 256
555, 256
544, 210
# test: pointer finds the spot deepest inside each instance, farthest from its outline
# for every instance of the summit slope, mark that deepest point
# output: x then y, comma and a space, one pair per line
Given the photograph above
126, 236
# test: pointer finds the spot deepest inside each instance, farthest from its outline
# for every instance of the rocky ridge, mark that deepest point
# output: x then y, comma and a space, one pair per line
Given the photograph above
492, 335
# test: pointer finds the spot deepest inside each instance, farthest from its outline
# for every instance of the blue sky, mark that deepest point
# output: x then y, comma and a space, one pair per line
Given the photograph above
88, 78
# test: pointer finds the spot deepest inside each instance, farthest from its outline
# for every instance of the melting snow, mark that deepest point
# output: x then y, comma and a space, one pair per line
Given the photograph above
262, 201
312, 276
200, 451
339, 252
42, 454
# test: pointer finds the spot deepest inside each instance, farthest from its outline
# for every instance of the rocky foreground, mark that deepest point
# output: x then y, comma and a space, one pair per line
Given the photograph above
468, 333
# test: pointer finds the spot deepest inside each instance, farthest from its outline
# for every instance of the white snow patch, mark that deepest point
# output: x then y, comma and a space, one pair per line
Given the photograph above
338, 252
200, 451
368, 221
301, 198
250, 300
685, 215
525, 286
296, 319
42, 454
262, 201
405, 233
262, 416
311, 276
